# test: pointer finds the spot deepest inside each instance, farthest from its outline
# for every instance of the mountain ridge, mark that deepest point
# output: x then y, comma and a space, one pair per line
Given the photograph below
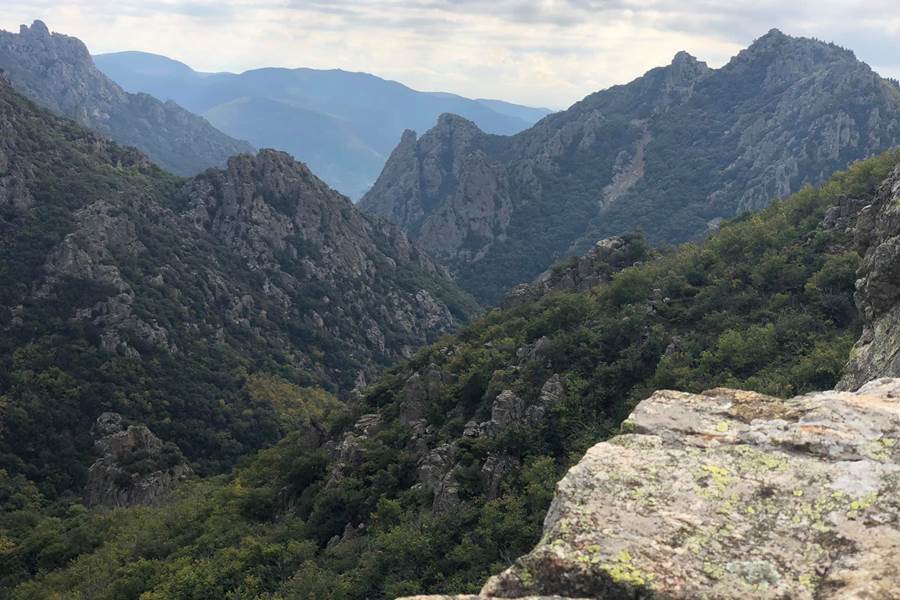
671, 153
343, 123
126, 289
57, 72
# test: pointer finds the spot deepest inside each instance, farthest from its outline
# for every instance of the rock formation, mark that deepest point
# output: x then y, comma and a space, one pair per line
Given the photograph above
671, 153
877, 353
584, 272
57, 72
728, 494
135, 466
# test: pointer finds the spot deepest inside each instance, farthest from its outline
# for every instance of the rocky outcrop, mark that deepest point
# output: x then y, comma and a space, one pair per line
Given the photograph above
57, 72
135, 466
585, 272
728, 494
672, 153
877, 353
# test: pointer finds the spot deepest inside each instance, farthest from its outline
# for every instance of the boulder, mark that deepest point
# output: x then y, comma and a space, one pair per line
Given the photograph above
728, 494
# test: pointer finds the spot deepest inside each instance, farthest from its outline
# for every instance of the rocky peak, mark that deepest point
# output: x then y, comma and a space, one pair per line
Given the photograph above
785, 58
728, 494
497, 211
38, 29
454, 130
685, 66
135, 467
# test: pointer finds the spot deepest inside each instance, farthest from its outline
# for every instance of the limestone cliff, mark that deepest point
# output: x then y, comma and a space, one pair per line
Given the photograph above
57, 72
728, 494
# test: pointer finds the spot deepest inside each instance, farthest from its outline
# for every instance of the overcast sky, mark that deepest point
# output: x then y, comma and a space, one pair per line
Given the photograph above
539, 52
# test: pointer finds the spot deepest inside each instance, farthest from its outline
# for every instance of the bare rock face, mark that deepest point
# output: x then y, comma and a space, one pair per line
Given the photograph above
728, 494
877, 353
135, 467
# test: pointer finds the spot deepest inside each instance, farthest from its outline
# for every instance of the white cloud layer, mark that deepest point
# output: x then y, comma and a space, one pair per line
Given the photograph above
539, 52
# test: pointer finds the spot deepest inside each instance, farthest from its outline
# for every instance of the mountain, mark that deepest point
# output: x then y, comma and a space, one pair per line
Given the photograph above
441, 473
342, 124
207, 308
57, 72
671, 153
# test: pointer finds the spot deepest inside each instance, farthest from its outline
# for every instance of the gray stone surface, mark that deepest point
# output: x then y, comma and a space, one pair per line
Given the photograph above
728, 495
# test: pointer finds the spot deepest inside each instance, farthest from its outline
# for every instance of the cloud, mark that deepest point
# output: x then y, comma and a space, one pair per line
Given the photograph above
546, 52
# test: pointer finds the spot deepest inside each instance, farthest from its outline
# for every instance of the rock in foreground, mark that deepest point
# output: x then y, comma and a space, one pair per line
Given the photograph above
728, 494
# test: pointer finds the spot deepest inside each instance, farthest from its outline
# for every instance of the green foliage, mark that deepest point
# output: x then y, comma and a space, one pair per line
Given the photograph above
154, 317
765, 304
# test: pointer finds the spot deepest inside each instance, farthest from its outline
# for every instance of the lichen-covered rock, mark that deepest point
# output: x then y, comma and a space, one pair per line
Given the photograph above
135, 466
877, 353
726, 495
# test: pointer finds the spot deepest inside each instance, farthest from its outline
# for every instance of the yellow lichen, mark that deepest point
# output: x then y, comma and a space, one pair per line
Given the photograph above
625, 572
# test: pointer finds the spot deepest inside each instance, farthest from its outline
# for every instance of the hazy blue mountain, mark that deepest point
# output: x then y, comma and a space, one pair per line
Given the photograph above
57, 72
343, 124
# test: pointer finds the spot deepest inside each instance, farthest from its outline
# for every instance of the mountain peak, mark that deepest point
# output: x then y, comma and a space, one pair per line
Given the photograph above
38, 28
683, 58
454, 120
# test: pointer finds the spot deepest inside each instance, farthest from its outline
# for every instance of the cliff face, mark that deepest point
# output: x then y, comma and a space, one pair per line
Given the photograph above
728, 494
672, 153
877, 353
57, 72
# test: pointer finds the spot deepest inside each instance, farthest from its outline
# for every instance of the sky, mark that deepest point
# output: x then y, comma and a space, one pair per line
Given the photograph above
538, 52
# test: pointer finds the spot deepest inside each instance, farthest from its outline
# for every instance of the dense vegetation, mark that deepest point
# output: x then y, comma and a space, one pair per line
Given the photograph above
764, 304
112, 298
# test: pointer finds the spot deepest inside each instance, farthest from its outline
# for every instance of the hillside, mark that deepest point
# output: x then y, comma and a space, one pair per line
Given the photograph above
441, 474
57, 72
196, 306
671, 153
342, 124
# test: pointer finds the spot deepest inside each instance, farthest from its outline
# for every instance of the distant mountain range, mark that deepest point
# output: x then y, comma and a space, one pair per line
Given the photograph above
671, 153
343, 124
57, 72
